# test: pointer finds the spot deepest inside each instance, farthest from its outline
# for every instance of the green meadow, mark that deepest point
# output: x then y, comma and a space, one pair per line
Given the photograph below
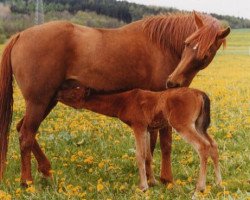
93, 156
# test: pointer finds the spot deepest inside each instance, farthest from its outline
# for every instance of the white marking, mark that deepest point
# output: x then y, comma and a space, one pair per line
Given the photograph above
196, 46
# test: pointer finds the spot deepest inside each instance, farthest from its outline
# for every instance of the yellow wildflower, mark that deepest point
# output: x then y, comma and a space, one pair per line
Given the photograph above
101, 165
170, 186
89, 160
4, 195
99, 187
31, 189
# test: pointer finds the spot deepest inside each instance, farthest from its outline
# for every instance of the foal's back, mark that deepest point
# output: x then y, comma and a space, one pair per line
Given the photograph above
183, 106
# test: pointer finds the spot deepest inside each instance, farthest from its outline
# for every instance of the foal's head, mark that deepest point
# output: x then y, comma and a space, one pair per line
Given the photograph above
200, 49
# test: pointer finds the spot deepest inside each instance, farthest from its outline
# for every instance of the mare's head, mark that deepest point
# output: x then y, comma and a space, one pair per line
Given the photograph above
199, 50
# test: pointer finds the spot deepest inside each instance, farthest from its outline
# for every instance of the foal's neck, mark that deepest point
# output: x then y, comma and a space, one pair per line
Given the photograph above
109, 105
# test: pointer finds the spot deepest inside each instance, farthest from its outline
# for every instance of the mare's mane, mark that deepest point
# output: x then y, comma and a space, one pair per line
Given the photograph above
172, 30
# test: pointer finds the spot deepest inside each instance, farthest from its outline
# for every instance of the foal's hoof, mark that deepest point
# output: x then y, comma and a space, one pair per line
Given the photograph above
195, 196
219, 183
143, 188
200, 188
153, 182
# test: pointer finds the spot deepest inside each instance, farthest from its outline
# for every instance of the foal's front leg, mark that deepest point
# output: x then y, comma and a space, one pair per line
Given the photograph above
141, 151
149, 160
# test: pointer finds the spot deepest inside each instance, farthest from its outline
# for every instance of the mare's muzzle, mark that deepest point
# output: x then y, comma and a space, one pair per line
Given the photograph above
171, 84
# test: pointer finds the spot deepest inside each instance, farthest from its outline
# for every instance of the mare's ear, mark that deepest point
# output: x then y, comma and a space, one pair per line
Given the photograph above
223, 33
198, 20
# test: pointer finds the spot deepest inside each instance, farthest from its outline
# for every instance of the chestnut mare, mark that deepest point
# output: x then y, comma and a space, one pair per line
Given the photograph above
186, 110
145, 54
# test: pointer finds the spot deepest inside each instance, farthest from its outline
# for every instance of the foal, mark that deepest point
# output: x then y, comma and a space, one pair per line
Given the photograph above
186, 110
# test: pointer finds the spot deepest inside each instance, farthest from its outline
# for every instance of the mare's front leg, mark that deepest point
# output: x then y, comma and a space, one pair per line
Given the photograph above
141, 151
166, 145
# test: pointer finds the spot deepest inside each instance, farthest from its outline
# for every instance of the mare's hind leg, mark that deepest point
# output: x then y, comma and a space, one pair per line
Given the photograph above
33, 117
166, 145
44, 165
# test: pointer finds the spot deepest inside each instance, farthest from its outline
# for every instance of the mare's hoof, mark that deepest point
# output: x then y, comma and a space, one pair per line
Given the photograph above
25, 183
166, 180
46, 171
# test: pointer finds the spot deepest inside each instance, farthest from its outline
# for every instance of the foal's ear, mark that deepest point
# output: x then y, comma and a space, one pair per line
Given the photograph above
223, 33
198, 20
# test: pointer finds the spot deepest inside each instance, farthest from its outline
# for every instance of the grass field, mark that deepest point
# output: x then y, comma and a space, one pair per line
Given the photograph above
93, 156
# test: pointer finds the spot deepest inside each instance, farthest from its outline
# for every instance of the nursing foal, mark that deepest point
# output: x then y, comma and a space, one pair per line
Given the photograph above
186, 110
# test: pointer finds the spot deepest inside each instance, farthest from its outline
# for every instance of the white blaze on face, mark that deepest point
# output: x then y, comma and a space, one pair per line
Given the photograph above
196, 46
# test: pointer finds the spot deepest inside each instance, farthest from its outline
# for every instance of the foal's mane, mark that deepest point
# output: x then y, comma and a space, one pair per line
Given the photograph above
172, 30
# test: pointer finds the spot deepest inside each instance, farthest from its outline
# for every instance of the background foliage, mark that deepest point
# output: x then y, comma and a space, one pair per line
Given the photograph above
17, 15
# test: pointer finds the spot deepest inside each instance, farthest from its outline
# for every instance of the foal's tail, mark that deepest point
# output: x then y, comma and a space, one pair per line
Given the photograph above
205, 113
6, 100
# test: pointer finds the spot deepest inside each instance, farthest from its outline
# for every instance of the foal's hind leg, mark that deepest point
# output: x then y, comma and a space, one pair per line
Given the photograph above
202, 146
33, 117
214, 153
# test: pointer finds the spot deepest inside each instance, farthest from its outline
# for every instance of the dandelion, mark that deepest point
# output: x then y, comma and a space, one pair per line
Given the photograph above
228, 135
99, 187
29, 182
125, 156
101, 165
73, 158
89, 160
4, 195
170, 186
17, 180
80, 153
31, 189
189, 179
123, 187
90, 170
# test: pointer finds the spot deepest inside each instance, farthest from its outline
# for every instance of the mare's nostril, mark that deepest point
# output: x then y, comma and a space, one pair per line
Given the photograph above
172, 85
177, 85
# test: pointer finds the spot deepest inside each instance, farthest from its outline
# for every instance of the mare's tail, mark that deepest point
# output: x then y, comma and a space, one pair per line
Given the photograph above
6, 100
